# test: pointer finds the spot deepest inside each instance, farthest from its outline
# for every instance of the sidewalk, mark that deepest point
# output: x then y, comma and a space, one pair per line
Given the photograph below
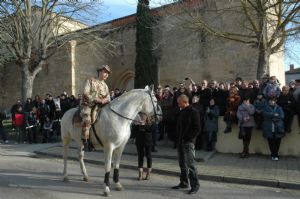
256, 170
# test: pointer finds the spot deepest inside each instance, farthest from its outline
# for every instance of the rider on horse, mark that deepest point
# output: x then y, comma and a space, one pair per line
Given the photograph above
95, 96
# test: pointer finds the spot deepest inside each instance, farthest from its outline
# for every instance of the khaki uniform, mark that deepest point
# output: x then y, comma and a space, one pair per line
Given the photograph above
94, 89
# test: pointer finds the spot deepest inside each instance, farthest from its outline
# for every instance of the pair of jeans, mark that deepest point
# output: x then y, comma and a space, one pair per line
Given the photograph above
188, 170
143, 151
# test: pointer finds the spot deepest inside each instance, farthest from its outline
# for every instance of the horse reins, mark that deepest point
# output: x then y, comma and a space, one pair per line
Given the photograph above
122, 116
127, 118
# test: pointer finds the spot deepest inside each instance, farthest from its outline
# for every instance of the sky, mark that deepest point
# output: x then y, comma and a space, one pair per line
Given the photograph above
113, 9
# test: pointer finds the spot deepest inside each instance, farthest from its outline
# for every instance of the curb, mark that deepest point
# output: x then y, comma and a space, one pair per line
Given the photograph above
223, 179
168, 157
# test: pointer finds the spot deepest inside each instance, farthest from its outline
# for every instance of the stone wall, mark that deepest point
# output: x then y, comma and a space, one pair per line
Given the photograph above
229, 143
54, 78
180, 52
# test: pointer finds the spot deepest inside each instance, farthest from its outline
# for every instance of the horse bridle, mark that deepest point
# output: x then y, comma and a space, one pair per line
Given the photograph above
136, 121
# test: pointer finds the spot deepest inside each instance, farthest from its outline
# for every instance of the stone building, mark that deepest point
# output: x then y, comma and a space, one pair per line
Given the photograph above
180, 53
292, 74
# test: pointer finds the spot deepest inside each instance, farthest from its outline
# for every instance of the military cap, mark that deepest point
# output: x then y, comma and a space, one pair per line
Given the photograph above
104, 67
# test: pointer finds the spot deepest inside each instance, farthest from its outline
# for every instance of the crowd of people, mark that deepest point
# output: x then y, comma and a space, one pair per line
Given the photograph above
260, 104
41, 115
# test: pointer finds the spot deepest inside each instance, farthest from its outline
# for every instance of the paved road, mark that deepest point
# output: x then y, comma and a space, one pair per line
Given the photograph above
25, 177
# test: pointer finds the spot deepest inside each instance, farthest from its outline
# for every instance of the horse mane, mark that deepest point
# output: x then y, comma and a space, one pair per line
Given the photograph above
119, 101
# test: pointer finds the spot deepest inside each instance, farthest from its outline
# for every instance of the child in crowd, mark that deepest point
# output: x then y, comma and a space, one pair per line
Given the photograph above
47, 129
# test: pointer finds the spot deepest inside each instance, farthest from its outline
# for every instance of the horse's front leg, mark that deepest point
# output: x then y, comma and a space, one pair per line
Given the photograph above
108, 157
82, 165
117, 158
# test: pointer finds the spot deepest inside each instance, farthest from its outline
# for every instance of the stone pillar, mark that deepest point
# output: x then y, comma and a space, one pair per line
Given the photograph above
73, 65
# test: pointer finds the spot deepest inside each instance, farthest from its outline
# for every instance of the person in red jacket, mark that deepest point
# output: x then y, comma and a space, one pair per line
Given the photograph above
233, 102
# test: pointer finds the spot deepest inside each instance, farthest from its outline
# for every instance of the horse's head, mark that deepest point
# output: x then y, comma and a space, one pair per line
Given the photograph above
150, 106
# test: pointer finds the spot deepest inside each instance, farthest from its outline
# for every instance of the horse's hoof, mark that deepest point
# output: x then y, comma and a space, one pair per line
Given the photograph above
106, 194
119, 187
66, 179
86, 179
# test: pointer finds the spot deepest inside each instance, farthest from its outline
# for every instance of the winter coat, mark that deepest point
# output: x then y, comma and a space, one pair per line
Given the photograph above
259, 104
245, 115
211, 119
245, 93
143, 135
166, 106
28, 106
273, 125
48, 125
44, 110
287, 103
271, 90
233, 103
31, 119
64, 106
188, 125
221, 98
206, 94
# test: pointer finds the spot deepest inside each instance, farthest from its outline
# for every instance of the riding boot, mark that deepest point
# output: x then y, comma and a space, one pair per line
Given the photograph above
148, 174
141, 170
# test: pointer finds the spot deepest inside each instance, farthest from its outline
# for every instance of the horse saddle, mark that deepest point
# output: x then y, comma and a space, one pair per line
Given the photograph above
77, 119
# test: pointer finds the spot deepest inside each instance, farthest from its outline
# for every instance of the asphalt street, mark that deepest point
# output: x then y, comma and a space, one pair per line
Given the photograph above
24, 177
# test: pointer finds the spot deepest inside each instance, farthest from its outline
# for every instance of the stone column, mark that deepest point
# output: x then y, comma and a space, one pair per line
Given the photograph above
73, 65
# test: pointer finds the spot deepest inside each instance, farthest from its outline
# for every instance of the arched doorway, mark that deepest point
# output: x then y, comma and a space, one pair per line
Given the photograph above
125, 81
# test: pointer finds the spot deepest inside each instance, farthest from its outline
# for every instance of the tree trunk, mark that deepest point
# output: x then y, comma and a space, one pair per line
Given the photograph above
263, 67
27, 82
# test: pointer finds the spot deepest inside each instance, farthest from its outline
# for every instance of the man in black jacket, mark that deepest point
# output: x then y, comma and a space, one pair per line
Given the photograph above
187, 130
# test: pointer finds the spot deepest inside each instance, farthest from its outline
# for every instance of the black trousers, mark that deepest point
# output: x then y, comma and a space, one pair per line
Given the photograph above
247, 138
31, 135
188, 170
143, 151
288, 120
274, 145
3, 134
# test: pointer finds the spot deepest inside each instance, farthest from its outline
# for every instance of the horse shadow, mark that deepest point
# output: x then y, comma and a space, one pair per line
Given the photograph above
51, 181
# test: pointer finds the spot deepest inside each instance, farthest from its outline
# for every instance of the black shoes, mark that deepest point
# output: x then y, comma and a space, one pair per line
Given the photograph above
181, 186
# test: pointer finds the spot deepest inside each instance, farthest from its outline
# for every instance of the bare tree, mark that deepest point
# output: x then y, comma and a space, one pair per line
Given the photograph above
263, 24
32, 30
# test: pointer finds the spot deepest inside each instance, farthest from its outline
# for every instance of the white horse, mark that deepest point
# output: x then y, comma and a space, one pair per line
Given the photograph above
113, 129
